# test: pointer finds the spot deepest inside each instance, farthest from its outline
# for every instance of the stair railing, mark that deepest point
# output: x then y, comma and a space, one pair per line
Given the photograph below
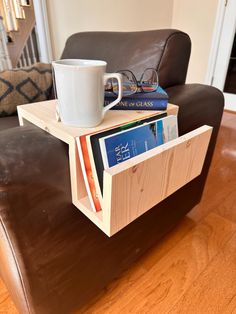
5, 61
30, 52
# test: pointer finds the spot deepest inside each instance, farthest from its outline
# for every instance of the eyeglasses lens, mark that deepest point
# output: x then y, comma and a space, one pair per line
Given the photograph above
129, 85
149, 80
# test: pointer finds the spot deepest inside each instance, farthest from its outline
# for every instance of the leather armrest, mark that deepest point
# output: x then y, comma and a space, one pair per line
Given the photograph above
34, 197
198, 105
57, 259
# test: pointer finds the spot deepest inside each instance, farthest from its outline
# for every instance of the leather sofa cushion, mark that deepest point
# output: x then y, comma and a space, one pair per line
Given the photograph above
21, 86
165, 50
8, 122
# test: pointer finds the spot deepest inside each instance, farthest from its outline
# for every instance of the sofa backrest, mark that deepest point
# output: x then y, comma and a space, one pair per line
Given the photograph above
167, 50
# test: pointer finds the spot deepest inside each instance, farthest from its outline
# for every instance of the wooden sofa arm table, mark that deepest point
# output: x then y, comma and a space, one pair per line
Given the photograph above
135, 186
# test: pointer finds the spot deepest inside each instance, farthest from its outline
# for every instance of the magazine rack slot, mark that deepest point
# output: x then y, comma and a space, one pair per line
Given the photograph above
135, 186
132, 187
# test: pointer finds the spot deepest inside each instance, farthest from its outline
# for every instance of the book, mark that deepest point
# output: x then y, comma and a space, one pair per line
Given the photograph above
90, 159
157, 100
88, 179
94, 150
119, 147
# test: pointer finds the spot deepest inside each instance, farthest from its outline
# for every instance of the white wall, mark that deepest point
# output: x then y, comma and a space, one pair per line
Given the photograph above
197, 18
71, 16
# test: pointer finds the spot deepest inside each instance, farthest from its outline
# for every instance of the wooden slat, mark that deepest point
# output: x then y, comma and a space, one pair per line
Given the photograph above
29, 61
43, 115
32, 48
145, 180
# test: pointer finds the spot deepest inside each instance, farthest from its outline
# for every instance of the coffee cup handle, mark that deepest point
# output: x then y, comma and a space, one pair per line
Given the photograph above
118, 76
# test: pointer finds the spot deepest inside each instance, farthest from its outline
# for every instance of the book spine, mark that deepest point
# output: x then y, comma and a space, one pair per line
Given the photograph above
137, 104
87, 173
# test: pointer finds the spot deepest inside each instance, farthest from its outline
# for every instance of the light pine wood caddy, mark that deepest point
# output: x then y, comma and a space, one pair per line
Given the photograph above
136, 185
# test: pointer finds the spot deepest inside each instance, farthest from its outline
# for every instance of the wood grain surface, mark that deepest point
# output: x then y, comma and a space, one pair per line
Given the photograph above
6, 304
43, 115
167, 167
132, 188
193, 269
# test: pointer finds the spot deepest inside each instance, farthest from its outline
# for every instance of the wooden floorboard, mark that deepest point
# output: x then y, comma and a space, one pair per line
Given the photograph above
6, 304
163, 285
214, 290
193, 269
220, 195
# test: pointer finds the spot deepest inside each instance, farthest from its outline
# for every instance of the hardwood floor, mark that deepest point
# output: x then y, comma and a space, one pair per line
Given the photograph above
6, 304
193, 269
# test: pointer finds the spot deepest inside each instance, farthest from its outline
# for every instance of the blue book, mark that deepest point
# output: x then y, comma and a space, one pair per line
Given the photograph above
119, 147
157, 100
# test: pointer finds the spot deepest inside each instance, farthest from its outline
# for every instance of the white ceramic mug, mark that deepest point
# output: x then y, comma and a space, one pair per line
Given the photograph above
80, 88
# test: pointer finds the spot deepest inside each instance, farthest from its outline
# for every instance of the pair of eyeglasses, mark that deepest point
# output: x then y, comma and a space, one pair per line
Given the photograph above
147, 83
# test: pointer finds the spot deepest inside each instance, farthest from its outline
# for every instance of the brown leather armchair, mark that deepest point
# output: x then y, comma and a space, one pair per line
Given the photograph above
52, 258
